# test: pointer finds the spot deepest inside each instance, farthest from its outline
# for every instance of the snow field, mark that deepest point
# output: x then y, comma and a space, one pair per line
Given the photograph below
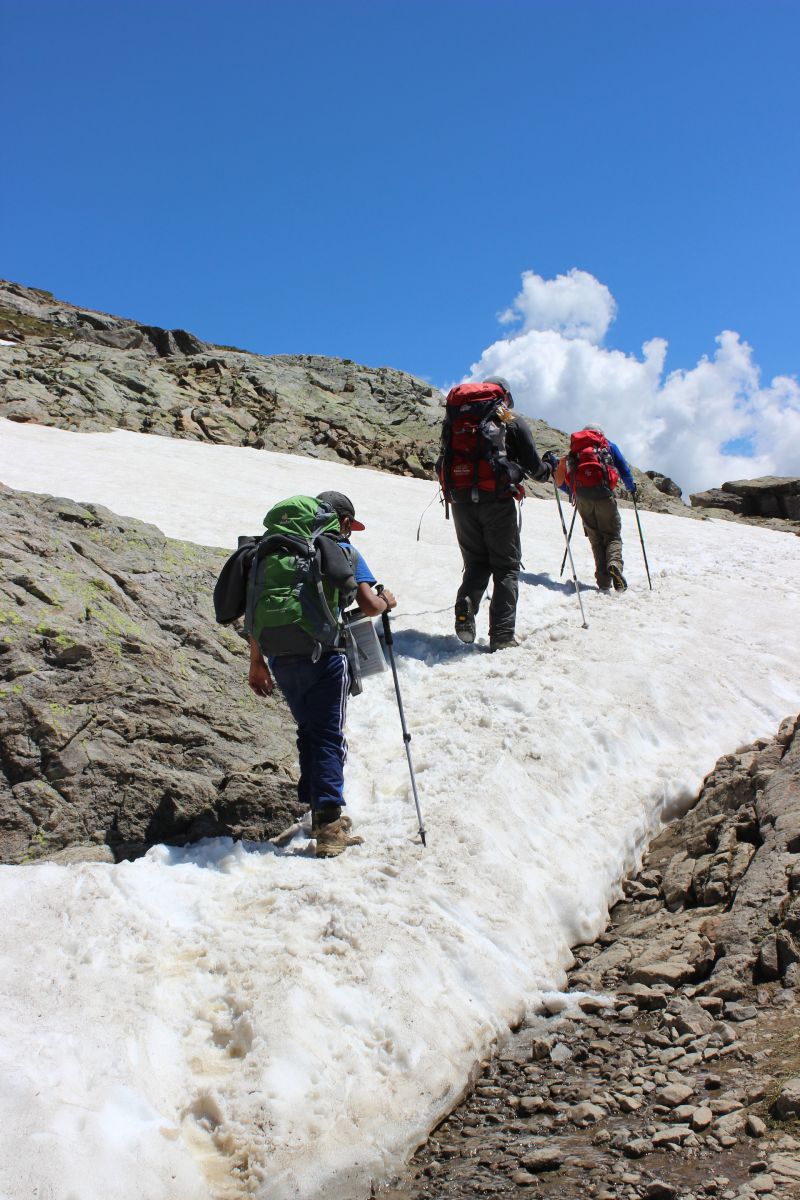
227, 1020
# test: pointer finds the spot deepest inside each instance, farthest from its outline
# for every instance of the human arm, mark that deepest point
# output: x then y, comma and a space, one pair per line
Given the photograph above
623, 468
522, 449
371, 599
373, 603
259, 678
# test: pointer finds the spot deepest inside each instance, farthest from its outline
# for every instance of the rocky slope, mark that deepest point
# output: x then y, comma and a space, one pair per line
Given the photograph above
670, 1070
126, 715
86, 370
773, 501
80, 369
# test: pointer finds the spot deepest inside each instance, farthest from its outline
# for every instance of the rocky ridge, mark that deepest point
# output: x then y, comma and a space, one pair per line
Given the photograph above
126, 716
80, 369
670, 1068
772, 500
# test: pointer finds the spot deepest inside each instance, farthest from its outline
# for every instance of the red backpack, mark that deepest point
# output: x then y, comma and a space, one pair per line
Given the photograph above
473, 451
591, 461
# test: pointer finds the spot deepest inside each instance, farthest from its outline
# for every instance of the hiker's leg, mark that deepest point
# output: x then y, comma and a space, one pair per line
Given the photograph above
291, 676
501, 531
610, 526
317, 697
474, 552
591, 527
326, 710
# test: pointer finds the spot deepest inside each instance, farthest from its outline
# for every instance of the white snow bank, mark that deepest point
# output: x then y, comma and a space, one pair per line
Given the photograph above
228, 1020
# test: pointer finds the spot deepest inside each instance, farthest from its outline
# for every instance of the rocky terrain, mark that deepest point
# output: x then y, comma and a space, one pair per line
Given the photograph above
87, 370
80, 369
126, 714
670, 1069
773, 501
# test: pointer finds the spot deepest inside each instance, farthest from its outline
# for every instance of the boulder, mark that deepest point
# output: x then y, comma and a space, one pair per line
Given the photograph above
126, 717
786, 1104
664, 484
768, 497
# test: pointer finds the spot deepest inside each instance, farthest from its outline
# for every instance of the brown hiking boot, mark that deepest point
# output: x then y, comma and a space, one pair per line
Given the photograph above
618, 579
334, 836
509, 643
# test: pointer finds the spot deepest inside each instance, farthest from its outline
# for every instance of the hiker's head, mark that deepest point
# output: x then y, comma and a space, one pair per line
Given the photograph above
505, 385
343, 507
594, 429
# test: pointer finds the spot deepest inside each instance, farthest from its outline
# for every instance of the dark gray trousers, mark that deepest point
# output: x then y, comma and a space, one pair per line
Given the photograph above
488, 536
603, 528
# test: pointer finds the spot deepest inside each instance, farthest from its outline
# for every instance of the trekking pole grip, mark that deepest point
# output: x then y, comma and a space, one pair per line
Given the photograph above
387, 629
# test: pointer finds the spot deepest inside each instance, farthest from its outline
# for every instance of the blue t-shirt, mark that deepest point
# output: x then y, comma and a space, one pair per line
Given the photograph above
361, 572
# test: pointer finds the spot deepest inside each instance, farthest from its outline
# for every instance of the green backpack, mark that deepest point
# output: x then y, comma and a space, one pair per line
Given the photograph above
300, 579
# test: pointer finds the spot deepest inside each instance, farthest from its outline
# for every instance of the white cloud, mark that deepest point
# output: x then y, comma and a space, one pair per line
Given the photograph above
678, 423
576, 305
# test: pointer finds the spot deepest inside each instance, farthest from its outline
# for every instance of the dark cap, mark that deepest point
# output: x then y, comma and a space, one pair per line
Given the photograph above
343, 507
505, 385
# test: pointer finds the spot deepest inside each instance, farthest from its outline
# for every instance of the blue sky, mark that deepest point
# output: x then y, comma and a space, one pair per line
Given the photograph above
371, 179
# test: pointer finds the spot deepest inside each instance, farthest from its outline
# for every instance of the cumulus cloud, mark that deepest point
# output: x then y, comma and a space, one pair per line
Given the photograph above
701, 426
576, 305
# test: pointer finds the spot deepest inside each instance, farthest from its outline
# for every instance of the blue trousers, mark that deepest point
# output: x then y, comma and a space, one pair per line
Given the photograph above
316, 693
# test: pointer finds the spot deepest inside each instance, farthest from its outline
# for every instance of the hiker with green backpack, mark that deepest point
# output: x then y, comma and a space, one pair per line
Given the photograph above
300, 577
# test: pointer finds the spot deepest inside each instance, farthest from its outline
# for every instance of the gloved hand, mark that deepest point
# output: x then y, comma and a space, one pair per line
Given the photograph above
633, 490
551, 458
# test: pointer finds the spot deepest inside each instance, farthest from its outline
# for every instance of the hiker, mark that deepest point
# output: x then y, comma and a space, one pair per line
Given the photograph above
589, 473
486, 453
314, 675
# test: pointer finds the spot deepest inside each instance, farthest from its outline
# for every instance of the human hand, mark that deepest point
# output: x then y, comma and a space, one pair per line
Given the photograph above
259, 678
551, 458
389, 598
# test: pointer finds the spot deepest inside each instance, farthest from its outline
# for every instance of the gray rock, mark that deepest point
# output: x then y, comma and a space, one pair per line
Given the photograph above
670, 1136
79, 854
665, 484
637, 1147
587, 1113
126, 719
718, 499
702, 1118
659, 1190
770, 497
545, 1159
673, 971
740, 1012
787, 1103
674, 1094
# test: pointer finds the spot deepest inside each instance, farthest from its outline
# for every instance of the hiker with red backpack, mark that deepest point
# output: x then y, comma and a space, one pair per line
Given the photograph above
486, 453
589, 473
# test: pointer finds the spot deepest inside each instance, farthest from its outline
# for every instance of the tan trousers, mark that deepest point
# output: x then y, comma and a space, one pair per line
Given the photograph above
603, 528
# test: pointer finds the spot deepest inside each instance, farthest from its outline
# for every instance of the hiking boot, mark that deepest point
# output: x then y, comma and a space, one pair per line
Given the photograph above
326, 814
618, 579
509, 643
465, 620
332, 837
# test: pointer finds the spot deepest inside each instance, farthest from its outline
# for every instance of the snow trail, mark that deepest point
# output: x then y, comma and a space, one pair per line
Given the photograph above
224, 1020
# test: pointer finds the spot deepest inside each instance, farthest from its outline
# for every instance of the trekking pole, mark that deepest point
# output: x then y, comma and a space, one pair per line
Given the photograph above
389, 641
569, 552
569, 539
641, 539
425, 509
